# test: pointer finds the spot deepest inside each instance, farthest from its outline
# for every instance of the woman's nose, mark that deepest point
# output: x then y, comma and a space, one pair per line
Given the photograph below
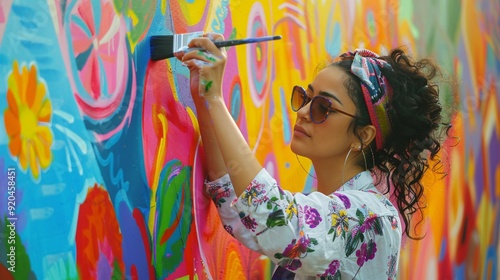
303, 113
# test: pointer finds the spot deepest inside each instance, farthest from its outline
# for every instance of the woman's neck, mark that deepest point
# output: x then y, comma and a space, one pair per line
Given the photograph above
329, 174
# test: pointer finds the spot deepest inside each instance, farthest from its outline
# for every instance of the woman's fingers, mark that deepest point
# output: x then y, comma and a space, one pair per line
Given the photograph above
195, 63
204, 43
203, 48
214, 36
200, 55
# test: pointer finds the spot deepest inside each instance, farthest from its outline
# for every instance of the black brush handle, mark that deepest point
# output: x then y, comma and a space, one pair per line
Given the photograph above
161, 46
229, 43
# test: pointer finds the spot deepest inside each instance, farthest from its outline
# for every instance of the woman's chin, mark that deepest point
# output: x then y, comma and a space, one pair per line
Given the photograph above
296, 148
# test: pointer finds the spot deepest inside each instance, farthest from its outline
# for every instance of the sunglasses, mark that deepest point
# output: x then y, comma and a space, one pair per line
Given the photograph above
320, 105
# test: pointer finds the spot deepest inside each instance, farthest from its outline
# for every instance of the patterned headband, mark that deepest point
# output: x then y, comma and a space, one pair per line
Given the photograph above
376, 90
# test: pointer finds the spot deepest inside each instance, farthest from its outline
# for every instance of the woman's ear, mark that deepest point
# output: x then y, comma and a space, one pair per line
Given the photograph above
367, 133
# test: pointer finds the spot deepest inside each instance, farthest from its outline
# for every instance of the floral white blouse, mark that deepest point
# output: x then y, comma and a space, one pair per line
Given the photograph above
353, 233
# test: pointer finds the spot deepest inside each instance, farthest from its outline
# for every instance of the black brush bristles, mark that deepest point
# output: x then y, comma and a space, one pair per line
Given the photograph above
162, 47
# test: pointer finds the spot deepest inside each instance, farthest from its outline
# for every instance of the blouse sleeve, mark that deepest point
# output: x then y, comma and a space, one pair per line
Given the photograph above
222, 193
317, 234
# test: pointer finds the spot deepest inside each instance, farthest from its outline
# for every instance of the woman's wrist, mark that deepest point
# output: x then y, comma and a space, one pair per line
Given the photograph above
214, 100
202, 99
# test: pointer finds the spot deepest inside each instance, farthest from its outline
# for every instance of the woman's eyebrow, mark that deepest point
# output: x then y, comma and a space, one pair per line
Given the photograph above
327, 94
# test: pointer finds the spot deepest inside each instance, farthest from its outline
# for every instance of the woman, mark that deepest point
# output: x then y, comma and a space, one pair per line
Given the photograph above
361, 113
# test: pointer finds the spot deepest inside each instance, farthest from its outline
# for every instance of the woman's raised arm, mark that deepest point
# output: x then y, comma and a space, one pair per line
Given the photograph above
207, 70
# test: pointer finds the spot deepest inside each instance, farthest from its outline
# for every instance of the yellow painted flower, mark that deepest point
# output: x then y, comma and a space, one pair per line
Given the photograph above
27, 119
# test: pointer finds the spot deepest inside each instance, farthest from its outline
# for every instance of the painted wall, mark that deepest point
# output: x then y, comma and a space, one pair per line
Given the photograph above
101, 163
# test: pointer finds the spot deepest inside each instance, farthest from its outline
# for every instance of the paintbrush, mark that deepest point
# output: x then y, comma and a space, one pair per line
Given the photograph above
166, 46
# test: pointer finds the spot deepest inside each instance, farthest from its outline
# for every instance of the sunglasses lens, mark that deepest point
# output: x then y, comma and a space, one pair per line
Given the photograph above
319, 109
298, 96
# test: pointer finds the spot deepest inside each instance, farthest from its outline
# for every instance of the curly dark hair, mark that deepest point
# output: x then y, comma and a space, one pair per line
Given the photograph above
414, 140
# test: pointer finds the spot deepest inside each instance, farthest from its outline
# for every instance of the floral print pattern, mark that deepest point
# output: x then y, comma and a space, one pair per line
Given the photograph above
361, 226
344, 199
392, 264
291, 211
366, 252
219, 193
248, 222
255, 195
332, 272
312, 216
297, 249
339, 224
229, 229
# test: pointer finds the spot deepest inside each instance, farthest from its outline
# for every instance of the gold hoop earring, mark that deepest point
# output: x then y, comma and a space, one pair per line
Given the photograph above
373, 156
366, 166
345, 161
300, 163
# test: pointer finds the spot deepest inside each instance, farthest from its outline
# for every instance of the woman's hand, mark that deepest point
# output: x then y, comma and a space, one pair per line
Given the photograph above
206, 66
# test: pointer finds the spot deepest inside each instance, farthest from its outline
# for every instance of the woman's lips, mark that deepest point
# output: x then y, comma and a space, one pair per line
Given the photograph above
300, 131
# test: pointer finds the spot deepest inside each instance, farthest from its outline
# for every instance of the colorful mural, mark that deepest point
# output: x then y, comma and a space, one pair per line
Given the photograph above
101, 171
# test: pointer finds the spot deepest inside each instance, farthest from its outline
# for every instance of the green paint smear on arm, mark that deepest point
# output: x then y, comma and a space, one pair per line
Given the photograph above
208, 86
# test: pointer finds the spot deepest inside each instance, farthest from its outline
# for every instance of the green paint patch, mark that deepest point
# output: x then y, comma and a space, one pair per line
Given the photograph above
206, 56
208, 86
174, 217
139, 13
233, 34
